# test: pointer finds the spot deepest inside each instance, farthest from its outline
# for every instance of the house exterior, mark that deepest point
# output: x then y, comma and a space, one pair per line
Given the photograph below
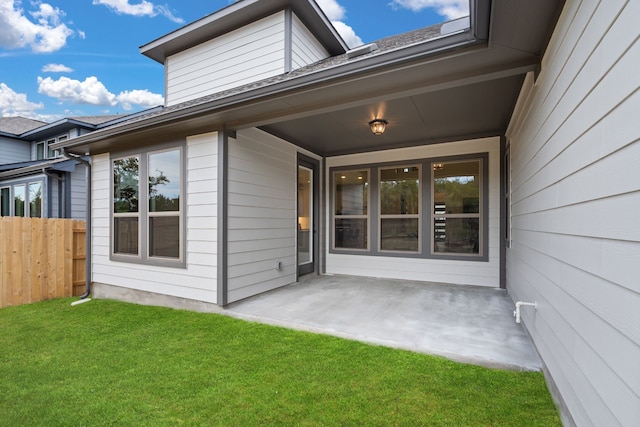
507, 162
37, 180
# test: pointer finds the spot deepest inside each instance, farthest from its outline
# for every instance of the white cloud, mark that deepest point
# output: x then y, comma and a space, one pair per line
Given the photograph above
336, 14
56, 68
47, 34
91, 91
143, 98
334, 10
16, 104
450, 9
347, 33
144, 8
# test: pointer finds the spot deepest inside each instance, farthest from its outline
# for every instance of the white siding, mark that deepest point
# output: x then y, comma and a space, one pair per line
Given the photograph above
198, 280
14, 151
246, 55
261, 214
575, 203
305, 48
78, 193
434, 270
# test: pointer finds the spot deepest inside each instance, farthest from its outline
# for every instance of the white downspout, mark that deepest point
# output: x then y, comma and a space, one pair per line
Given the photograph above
520, 304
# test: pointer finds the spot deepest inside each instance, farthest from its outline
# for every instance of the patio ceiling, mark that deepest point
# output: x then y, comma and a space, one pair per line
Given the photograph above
475, 110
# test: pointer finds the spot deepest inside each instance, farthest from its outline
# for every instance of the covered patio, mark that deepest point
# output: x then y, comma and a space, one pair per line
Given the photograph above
464, 323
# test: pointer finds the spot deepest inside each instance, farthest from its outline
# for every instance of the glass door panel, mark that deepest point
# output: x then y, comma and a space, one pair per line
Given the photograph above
305, 218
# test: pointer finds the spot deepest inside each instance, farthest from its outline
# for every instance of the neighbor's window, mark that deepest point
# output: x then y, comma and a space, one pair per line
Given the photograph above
126, 213
147, 224
35, 199
399, 190
456, 195
5, 201
40, 151
164, 204
351, 213
19, 197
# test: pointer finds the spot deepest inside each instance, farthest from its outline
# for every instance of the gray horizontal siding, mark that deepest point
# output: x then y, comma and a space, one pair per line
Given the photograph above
575, 202
261, 214
246, 55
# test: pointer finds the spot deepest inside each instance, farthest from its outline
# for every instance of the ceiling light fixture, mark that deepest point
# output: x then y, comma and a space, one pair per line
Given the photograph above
378, 126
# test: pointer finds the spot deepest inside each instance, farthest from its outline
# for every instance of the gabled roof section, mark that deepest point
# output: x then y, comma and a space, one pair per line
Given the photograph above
239, 14
90, 123
18, 125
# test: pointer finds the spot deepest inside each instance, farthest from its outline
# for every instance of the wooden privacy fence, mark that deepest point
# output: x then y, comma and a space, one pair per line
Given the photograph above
41, 259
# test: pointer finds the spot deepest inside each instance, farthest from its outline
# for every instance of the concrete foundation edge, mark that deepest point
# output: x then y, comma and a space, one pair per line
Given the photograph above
104, 291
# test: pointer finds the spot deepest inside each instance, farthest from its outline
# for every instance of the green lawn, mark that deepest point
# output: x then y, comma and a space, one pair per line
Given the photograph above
111, 363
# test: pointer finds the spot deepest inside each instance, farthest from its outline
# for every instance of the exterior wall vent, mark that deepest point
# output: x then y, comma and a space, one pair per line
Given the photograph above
362, 50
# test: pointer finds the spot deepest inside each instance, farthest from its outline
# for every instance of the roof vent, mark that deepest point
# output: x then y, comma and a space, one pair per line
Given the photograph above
362, 50
455, 26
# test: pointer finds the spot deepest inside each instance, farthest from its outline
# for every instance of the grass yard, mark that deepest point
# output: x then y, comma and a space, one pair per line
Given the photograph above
111, 363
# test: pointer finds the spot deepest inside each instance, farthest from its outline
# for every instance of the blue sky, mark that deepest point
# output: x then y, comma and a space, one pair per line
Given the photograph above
61, 58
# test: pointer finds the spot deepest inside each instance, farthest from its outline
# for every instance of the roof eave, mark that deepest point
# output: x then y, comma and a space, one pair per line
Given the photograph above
360, 67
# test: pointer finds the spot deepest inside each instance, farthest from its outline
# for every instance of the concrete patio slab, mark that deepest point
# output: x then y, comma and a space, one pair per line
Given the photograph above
463, 323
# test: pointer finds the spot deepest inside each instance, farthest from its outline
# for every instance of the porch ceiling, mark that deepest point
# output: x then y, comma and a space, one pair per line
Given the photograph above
474, 110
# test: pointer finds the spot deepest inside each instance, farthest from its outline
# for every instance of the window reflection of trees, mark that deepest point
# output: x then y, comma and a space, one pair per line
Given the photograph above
126, 185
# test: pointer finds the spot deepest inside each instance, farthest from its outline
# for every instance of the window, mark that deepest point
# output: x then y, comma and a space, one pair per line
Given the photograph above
43, 147
35, 199
399, 190
164, 204
147, 207
126, 216
456, 207
19, 197
5, 201
50, 152
430, 208
351, 216
40, 151
23, 199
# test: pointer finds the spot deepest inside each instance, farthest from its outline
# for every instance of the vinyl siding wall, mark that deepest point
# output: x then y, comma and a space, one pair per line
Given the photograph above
78, 193
436, 270
198, 280
261, 214
14, 151
246, 55
305, 47
575, 211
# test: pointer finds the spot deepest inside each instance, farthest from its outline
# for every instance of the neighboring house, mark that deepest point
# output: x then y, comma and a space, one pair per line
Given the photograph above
509, 160
37, 180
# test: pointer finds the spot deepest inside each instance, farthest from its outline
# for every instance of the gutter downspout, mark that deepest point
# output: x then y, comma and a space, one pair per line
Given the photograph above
87, 291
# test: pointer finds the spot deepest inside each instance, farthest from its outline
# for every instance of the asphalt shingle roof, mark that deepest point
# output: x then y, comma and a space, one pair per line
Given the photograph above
18, 125
384, 45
